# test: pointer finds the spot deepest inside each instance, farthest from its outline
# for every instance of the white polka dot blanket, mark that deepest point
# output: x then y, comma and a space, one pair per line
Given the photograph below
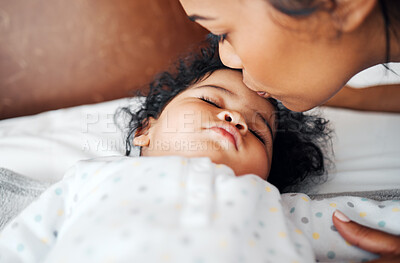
175, 209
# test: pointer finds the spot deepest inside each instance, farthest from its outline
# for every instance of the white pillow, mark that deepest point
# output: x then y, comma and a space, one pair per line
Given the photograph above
376, 75
366, 146
44, 146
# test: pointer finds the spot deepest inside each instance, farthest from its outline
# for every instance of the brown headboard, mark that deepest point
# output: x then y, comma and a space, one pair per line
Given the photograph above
62, 53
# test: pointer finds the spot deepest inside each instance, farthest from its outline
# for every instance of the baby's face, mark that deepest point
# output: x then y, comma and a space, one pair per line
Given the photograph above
219, 118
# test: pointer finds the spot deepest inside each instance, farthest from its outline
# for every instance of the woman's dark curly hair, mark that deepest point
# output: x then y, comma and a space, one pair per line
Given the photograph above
297, 152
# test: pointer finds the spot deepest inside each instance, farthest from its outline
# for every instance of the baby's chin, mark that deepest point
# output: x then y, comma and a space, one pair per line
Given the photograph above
241, 173
239, 168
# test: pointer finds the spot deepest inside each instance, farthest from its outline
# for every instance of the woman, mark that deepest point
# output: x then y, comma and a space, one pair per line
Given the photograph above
302, 53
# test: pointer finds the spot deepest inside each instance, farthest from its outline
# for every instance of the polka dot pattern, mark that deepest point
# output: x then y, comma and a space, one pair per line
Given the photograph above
298, 231
318, 214
315, 219
282, 234
58, 191
245, 210
20, 247
273, 209
117, 179
38, 218
331, 255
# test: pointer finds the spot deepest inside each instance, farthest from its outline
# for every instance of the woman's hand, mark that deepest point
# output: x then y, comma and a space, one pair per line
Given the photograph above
375, 241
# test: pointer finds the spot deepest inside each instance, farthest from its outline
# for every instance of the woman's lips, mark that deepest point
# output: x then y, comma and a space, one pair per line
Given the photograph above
249, 82
264, 94
227, 134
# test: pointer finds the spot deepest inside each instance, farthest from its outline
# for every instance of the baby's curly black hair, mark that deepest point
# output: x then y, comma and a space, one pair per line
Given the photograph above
297, 152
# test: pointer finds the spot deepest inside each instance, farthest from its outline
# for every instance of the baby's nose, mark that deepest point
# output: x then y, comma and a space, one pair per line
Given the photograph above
234, 118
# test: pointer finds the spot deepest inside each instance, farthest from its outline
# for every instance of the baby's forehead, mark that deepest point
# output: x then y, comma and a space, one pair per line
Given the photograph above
245, 96
246, 100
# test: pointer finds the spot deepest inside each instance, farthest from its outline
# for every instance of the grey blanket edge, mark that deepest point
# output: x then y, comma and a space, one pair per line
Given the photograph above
378, 195
16, 193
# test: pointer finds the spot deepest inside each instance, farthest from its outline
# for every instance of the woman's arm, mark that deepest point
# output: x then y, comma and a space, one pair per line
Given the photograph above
384, 98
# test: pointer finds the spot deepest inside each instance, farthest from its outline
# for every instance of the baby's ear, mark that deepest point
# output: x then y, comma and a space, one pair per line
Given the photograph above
142, 136
141, 140
350, 14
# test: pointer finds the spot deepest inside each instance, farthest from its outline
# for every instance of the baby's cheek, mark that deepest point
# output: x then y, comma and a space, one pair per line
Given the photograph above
261, 162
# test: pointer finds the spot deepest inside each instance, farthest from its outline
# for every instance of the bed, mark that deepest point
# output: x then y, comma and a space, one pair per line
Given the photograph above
36, 150
31, 82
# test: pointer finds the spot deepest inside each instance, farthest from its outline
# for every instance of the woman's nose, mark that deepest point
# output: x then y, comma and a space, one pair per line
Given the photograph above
235, 118
228, 55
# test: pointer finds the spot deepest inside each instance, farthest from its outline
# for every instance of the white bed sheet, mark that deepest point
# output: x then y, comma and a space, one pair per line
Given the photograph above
366, 148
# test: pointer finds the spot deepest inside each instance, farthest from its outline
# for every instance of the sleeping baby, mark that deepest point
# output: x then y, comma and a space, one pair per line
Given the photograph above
205, 188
